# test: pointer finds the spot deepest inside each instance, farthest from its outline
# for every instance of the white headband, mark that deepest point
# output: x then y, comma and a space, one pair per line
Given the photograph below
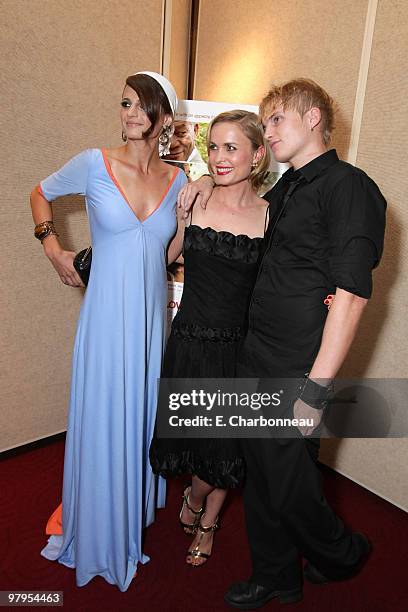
166, 86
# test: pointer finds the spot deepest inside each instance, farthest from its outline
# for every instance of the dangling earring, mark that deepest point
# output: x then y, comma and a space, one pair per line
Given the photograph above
164, 140
124, 137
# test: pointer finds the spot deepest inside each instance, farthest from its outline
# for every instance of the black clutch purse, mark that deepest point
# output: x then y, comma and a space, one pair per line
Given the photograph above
82, 264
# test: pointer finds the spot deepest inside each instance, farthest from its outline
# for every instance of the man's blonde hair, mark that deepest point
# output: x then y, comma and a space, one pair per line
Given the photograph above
251, 126
301, 95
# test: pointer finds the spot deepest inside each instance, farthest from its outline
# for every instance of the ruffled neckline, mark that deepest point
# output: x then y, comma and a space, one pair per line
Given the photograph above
227, 245
212, 232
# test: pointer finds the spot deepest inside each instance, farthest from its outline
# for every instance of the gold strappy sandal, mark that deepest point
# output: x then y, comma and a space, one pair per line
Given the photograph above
190, 528
196, 553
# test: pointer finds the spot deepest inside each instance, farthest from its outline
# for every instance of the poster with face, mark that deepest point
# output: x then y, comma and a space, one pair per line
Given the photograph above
188, 150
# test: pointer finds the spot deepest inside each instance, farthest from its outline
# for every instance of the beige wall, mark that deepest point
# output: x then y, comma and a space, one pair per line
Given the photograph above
180, 45
258, 42
381, 349
63, 65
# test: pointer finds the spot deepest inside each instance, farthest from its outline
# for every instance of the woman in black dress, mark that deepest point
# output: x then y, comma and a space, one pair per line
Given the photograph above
221, 247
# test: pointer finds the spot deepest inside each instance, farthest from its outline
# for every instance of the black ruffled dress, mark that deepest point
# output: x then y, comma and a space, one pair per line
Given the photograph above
219, 273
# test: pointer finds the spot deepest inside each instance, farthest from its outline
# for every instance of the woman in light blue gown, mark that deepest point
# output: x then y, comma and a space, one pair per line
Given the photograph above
109, 492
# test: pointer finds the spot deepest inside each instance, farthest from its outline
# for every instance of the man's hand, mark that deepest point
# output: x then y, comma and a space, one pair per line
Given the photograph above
303, 411
197, 192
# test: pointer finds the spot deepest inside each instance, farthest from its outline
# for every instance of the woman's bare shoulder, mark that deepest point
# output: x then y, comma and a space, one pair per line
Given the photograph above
259, 203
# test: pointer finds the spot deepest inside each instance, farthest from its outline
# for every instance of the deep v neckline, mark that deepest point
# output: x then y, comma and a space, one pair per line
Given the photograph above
122, 193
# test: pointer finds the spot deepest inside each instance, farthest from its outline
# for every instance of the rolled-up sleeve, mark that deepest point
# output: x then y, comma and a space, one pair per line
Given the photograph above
72, 178
356, 224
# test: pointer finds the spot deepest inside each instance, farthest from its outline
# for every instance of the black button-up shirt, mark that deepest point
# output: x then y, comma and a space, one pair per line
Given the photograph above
325, 231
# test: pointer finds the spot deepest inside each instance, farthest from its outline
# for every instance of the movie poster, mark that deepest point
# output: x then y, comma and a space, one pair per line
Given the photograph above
188, 150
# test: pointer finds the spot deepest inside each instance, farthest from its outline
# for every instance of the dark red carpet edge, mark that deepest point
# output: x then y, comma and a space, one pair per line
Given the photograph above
30, 486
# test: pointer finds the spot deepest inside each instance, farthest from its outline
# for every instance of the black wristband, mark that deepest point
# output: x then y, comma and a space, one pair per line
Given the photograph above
315, 395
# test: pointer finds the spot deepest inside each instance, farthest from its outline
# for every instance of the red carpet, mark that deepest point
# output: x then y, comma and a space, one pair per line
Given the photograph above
30, 489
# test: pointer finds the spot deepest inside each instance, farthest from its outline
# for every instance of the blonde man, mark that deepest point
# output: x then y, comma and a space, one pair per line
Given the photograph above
325, 235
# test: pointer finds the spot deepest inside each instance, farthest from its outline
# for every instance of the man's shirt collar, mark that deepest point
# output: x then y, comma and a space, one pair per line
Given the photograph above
313, 168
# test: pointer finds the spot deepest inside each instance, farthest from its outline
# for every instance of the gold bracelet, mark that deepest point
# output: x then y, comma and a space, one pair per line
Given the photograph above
44, 229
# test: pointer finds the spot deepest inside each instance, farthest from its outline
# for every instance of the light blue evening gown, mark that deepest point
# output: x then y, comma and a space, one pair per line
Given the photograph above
109, 491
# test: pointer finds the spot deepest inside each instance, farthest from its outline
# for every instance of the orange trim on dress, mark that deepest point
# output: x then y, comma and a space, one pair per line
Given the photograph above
109, 170
54, 525
40, 191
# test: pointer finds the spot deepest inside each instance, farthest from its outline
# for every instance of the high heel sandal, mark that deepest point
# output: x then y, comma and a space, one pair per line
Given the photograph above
190, 528
196, 553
